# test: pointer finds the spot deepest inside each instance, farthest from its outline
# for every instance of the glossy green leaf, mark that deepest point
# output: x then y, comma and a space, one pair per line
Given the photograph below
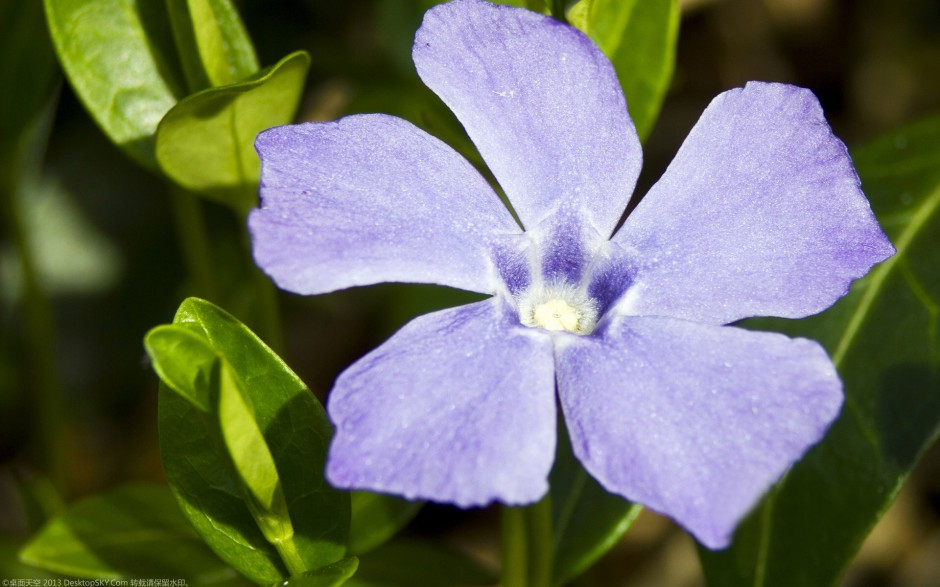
206, 142
120, 58
416, 563
883, 338
127, 533
331, 575
214, 46
587, 521
295, 429
252, 458
184, 361
640, 37
209, 490
376, 518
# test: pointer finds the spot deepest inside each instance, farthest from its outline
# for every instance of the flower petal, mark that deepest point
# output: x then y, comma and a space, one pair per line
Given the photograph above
542, 104
458, 406
369, 199
694, 421
760, 214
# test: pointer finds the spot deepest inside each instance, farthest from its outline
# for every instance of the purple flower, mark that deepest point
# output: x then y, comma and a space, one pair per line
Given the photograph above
760, 214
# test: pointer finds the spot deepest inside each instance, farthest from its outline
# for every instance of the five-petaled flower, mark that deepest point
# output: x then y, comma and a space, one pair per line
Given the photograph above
760, 214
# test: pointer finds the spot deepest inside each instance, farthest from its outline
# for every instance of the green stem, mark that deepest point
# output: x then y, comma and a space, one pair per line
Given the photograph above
40, 340
269, 310
527, 546
277, 529
541, 543
291, 556
558, 10
514, 548
194, 243
39, 327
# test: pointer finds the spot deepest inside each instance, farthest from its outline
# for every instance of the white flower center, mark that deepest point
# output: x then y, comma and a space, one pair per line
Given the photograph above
556, 315
558, 308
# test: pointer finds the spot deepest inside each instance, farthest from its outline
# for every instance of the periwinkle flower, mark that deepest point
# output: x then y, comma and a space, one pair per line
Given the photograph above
760, 214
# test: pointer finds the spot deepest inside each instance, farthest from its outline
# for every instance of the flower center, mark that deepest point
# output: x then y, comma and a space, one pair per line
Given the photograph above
558, 308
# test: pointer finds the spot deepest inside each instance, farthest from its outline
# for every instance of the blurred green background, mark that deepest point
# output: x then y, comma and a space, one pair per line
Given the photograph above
105, 239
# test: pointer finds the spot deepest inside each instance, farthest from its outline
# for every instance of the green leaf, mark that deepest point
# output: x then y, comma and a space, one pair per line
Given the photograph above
640, 39
251, 456
200, 469
209, 490
376, 518
329, 576
883, 338
213, 44
12, 566
184, 361
129, 532
120, 59
416, 563
587, 521
206, 142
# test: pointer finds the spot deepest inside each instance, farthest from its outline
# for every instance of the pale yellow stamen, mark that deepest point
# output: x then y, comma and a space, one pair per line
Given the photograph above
559, 308
556, 315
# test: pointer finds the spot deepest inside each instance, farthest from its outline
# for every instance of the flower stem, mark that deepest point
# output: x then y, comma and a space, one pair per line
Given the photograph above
22, 160
541, 543
269, 314
513, 549
40, 336
268, 309
527, 551
558, 10
194, 243
291, 556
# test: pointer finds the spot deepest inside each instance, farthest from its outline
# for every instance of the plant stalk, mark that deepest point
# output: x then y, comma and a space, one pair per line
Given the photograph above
527, 546
291, 556
514, 548
195, 244
24, 159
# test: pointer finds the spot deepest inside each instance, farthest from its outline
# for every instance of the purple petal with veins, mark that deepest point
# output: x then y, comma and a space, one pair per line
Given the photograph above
760, 214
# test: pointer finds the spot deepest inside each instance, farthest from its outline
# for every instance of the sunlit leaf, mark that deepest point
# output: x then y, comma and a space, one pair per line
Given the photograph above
214, 46
131, 532
120, 58
206, 142
252, 457
184, 361
883, 338
12, 566
209, 490
199, 463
